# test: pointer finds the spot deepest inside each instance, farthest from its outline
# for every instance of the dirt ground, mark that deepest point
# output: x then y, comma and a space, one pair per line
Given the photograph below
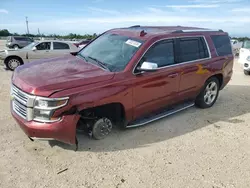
194, 148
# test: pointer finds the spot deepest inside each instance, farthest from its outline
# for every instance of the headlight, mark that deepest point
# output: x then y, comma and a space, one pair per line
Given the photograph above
45, 107
248, 58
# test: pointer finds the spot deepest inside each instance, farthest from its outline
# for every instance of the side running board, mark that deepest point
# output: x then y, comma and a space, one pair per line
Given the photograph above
160, 115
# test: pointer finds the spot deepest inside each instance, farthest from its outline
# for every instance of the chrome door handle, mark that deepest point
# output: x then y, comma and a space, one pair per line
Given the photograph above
173, 75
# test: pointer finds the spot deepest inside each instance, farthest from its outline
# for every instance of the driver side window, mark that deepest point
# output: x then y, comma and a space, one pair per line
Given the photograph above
161, 53
43, 46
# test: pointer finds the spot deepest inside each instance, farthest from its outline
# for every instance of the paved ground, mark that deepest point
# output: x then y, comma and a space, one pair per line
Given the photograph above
195, 148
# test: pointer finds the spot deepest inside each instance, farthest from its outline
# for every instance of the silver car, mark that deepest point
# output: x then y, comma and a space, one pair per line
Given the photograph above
36, 50
17, 42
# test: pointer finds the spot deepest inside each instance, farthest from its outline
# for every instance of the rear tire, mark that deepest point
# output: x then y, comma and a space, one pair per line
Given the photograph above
12, 63
209, 93
246, 72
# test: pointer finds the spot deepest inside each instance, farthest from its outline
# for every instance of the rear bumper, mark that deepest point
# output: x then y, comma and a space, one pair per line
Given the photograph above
63, 130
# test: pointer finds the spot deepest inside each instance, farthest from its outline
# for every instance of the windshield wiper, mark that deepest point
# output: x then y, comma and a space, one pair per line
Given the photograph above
82, 57
103, 65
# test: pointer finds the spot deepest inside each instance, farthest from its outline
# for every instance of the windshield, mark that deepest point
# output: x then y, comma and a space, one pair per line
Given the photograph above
30, 46
246, 44
112, 50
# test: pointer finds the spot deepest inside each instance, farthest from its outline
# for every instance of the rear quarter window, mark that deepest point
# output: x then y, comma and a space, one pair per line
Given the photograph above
222, 44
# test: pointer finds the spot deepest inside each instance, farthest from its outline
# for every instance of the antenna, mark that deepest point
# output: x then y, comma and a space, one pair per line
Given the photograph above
27, 25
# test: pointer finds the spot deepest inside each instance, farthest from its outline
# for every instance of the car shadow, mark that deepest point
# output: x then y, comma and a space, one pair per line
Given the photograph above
232, 102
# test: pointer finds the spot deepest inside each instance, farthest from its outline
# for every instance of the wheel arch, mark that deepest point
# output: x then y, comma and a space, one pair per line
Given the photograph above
13, 56
115, 111
219, 76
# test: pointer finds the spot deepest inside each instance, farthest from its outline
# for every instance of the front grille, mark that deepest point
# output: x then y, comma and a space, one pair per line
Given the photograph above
19, 108
19, 95
22, 103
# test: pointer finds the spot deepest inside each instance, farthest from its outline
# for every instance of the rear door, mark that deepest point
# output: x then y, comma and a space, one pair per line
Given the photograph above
154, 90
193, 59
244, 52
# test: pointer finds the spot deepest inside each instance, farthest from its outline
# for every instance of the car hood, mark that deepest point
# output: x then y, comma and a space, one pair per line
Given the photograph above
44, 77
14, 52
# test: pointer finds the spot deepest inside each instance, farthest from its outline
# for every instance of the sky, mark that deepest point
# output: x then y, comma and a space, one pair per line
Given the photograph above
96, 16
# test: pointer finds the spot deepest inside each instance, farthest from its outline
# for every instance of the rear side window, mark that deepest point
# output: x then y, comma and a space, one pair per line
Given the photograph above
19, 38
191, 49
222, 44
60, 46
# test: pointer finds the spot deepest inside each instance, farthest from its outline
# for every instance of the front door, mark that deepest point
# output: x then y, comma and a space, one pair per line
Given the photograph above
43, 51
155, 90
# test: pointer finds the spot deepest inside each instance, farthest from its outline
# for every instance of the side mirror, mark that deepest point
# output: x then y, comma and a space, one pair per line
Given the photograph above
34, 48
147, 67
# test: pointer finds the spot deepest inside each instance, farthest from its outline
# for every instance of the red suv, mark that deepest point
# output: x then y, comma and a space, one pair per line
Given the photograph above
126, 77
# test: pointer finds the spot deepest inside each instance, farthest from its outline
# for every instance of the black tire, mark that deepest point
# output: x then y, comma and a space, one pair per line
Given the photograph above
203, 99
246, 72
12, 63
101, 128
16, 47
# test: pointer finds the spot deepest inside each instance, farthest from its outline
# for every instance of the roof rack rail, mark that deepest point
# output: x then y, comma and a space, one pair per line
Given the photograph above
134, 26
178, 31
196, 30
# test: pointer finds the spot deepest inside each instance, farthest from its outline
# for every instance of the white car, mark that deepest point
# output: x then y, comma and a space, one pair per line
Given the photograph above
236, 45
36, 50
244, 57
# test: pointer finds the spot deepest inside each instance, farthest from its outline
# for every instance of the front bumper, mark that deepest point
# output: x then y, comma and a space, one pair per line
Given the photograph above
63, 130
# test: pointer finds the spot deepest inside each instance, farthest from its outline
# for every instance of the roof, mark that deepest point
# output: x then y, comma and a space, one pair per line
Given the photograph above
149, 31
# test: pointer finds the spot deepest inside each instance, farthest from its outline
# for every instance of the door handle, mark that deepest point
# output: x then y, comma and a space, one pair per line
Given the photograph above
173, 75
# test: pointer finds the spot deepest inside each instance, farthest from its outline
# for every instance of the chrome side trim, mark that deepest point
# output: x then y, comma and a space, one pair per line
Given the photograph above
165, 115
44, 139
209, 53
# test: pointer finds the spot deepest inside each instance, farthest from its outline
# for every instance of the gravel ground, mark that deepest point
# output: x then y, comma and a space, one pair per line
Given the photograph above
194, 148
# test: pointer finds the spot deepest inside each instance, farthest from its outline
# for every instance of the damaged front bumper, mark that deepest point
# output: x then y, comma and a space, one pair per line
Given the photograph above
63, 130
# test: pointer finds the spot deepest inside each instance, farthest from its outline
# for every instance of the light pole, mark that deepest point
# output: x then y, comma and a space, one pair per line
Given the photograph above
27, 25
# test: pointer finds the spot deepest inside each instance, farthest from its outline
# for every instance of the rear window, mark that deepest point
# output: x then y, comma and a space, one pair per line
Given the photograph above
60, 46
192, 49
222, 44
9, 39
246, 44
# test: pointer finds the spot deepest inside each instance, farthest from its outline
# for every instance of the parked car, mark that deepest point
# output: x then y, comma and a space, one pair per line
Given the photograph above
36, 50
82, 43
244, 57
17, 42
126, 77
236, 45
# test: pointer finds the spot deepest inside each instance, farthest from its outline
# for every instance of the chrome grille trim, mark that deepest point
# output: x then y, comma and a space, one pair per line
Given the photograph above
22, 103
19, 95
19, 109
